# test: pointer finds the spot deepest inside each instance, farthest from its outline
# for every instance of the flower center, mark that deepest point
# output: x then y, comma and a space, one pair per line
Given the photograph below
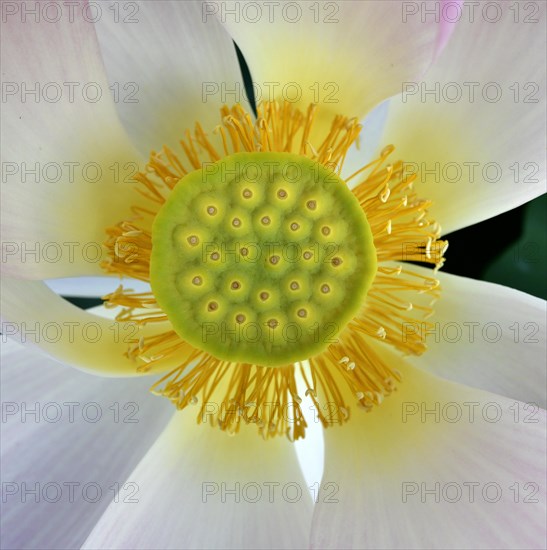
261, 258
259, 255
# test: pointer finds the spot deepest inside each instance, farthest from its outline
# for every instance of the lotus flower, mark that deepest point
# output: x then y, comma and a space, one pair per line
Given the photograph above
432, 391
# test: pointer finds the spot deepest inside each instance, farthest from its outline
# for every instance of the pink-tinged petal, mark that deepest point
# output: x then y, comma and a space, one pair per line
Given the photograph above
69, 440
171, 66
200, 488
474, 129
66, 159
436, 465
347, 56
487, 336
90, 340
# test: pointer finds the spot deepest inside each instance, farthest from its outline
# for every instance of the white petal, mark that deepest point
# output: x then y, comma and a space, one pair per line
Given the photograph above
487, 336
347, 56
410, 474
185, 500
64, 152
475, 127
171, 69
36, 316
86, 436
93, 286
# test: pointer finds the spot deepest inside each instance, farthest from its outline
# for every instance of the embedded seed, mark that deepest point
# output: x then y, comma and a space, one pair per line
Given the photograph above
274, 260
244, 251
193, 240
247, 193
235, 285
302, 313
282, 194
215, 256
325, 230
240, 318
264, 296
312, 205
211, 210
272, 323
265, 220
212, 306
325, 289
295, 285
236, 222
336, 261
197, 280
295, 226
307, 255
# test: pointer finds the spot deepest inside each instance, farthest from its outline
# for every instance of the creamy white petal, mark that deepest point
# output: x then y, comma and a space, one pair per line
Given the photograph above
93, 286
36, 316
346, 56
487, 336
65, 157
200, 488
170, 67
474, 128
83, 440
437, 465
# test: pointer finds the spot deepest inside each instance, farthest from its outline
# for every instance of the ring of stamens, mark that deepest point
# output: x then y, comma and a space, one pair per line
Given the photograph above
397, 298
